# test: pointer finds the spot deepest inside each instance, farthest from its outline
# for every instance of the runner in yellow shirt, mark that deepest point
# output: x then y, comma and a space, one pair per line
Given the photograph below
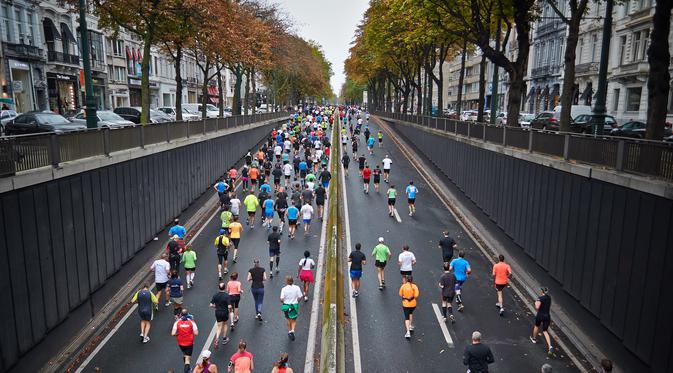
235, 229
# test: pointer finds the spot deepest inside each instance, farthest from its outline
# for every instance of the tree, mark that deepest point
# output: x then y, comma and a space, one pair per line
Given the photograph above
658, 82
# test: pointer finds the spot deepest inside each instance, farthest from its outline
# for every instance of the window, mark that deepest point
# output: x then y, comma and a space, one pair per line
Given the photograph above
118, 48
30, 36
594, 46
622, 49
615, 99
7, 24
19, 26
646, 43
636, 45
110, 72
633, 98
581, 51
120, 73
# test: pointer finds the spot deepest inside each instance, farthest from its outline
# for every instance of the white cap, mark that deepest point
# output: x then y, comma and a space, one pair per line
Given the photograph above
205, 354
380, 239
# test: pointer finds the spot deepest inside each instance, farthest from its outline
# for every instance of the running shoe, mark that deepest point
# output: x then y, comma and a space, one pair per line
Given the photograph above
550, 352
460, 307
225, 340
407, 335
502, 312
146, 339
142, 337
291, 335
453, 319
411, 328
532, 339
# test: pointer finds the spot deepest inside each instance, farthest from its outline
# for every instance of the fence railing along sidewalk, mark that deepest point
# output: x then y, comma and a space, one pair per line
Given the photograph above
642, 157
26, 152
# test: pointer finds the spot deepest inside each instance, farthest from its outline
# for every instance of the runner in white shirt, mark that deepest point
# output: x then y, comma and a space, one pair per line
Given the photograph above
162, 271
406, 260
235, 205
287, 171
306, 214
289, 296
387, 162
277, 151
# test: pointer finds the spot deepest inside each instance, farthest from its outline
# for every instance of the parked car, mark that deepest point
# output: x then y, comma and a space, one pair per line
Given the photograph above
106, 119
585, 123
575, 110
545, 121
211, 110
40, 122
5, 117
525, 119
133, 114
469, 116
186, 115
634, 129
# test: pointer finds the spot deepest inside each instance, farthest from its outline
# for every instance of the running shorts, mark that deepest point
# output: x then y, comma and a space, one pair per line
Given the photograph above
411, 201
253, 181
292, 222
146, 316
187, 350
234, 299
499, 287
448, 299
176, 300
235, 241
274, 252
307, 221
391, 201
366, 181
408, 311
386, 170
251, 213
306, 275
356, 274
319, 202
268, 214
381, 264
377, 179
405, 273
281, 215
459, 284
160, 285
221, 258
221, 316
361, 167
542, 322
190, 269
277, 181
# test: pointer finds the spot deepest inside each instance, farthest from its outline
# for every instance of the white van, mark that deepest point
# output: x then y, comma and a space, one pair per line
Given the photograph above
575, 110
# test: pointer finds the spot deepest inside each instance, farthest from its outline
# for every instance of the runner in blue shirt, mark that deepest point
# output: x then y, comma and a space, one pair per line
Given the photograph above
268, 212
303, 166
265, 187
461, 269
177, 230
370, 144
292, 215
411, 197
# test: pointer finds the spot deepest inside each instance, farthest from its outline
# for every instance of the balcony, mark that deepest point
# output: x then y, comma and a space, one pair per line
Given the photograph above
98, 65
70, 59
586, 68
631, 72
23, 50
546, 70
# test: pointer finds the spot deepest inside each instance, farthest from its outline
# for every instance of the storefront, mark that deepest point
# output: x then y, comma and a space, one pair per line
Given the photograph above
99, 91
21, 78
135, 94
62, 91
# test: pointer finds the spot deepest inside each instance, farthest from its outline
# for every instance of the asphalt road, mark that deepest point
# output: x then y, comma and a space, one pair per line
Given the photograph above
266, 340
379, 313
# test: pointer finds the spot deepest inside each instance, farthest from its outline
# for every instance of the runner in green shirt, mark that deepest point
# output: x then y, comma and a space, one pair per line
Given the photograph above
226, 217
251, 203
392, 195
380, 139
381, 254
189, 262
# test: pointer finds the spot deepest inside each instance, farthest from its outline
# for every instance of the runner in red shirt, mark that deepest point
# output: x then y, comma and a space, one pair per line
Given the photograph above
501, 274
184, 329
366, 174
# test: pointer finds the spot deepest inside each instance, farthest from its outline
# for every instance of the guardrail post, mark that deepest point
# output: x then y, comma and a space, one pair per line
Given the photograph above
483, 135
530, 140
168, 131
444, 120
620, 156
54, 150
142, 137
204, 126
106, 141
566, 146
436, 124
469, 127
455, 127
187, 124
504, 135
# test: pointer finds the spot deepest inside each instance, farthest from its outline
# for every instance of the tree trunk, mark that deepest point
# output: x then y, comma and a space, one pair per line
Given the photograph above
204, 90
569, 73
658, 83
440, 89
388, 106
145, 99
253, 92
236, 105
461, 78
177, 64
247, 92
419, 92
220, 90
482, 89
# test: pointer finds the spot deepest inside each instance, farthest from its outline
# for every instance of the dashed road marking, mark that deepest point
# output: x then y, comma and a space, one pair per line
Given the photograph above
442, 325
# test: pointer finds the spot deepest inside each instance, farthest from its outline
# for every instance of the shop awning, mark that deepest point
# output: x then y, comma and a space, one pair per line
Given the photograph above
129, 54
50, 30
67, 34
5, 100
213, 91
214, 100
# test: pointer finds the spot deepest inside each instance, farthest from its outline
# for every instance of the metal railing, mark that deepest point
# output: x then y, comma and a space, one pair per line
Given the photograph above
26, 152
642, 157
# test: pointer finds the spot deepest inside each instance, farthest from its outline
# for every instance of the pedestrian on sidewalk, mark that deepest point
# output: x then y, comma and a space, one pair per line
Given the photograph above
176, 289
381, 254
162, 272
222, 244
146, 304
543, 318
206, 366
448, 285
221, 302
357, 259
289, 297
461, 269
256, 278
477, 356
281, 366
234, 289
189, 262
242, 360
406, 261
409, 293
305, 272
185, 329
501, 274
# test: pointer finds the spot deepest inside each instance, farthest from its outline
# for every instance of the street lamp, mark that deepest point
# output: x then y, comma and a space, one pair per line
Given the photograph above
90, 102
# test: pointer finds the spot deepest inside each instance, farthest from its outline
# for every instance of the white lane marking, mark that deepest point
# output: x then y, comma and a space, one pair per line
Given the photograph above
209, 341
357, 364
397, 216
442, 325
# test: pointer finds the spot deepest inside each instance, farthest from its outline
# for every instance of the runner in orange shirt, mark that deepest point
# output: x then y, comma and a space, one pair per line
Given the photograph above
254, 175
501, 274
409, 292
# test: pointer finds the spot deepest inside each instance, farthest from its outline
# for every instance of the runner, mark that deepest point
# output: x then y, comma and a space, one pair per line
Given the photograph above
411, 197
234, 290
222, 243
146, 304
235, 205
256, 278
162, 272
409, 293
206, 366
387, 163
177, 230
289, 296
310, 181
381, 254
406, 261
254, 175
274, 249
320, 194
241, 361
251, 203
221, 187
232, 175
377, 178
305, 272
325, 177
221, 302
361, 163
477, 356
461, 269
287, 172
226, 217
277, 176
235, 229
380, 138
189, 262
370, 145
392, 195
292, 216
366, 174
184, 330
447, 244
245, 177
281, 208
543, 318
345, 161
306, 214
448, 285
281, 366
303, 168
357, 259
354, 146
501, 274
268, 206
176, 290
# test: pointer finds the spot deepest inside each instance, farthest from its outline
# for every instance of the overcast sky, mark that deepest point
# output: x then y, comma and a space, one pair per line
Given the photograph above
332, 24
